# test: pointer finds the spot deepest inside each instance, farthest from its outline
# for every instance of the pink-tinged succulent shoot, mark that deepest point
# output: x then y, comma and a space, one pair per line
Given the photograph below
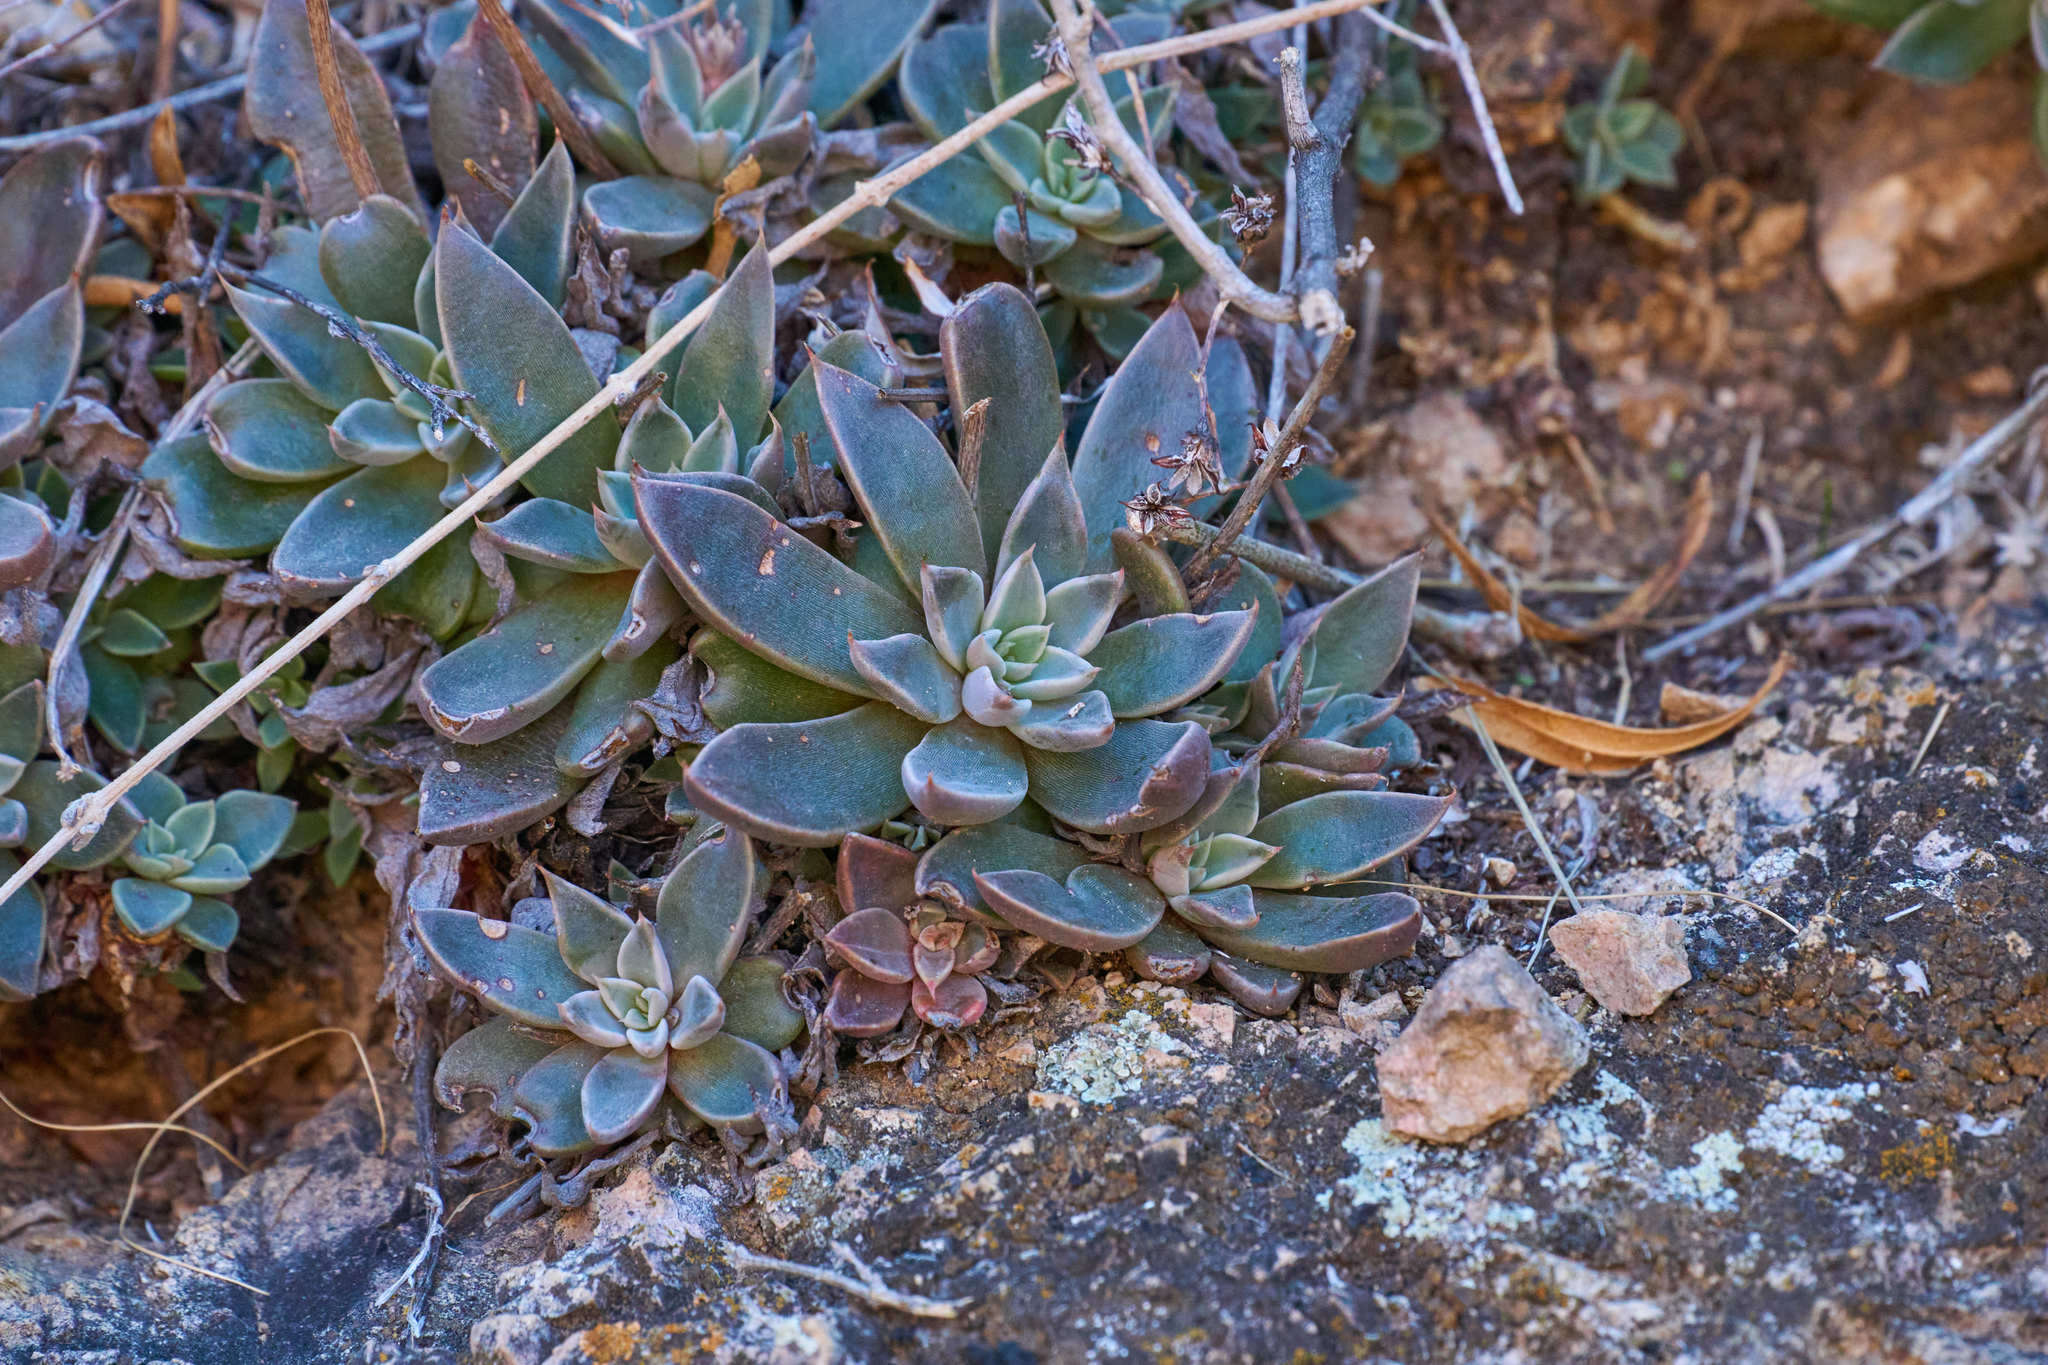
959, 657
604, 1022
899, 952
682, 102
1258, 879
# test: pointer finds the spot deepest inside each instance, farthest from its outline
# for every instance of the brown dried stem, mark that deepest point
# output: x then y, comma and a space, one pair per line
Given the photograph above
1275, 461
347, 137
567, 125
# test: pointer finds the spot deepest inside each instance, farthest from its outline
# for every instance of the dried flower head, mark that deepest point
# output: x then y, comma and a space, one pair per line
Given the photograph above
1052, 51
1264, 434
1194, 468
1152, 509
1249, 217
1091, 158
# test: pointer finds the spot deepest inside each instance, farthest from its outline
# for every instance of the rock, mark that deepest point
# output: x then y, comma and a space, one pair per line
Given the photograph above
1486, 1045
1923, 189
1629, 963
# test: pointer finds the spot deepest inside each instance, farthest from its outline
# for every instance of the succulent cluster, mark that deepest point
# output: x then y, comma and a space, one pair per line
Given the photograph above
604, 1018
1620, 137
1398, 117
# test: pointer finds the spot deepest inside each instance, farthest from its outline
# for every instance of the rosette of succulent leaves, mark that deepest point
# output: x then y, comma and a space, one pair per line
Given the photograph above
606, 1023
688, 94
1270, 872
1039, 190
901, 952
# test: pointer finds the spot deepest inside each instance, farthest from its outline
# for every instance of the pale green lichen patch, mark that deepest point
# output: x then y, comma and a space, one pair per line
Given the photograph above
1106, 1061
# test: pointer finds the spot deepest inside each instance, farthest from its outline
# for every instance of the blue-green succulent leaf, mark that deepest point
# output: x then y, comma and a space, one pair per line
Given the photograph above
809, 783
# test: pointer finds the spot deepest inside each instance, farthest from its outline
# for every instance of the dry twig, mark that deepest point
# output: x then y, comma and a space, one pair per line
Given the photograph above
868, 1288
348, 138
1318, 157
581, 144
1461, 56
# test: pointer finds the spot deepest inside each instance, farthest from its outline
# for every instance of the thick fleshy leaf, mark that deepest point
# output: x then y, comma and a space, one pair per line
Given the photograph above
706, 902
743, 688
50, 217
858, 46
1270, 991
700, 1012
754, 1007
42, 346
953, 600
28, 542
1253, 591
944, 78
1949, 41
1148, 773
371, 256
906, 671
21, 730
620, 1092
507, 348
268, 431
876, 942
651, 216
873, 872
960, 201
1360, 636
1017, 597
905, 481
1172, 954
1031, 239
490, 1057
1048, 524
349, 527
593, 44
209, 925
1150, 403
478, 792
809, 783
1231, 907
1149, 572
1325, 933
994, 347
516, 971
948, 869
861, 1007
956, 1002
283, 107
726, 1081
148, 908
1156, 664
44, 796
21, 937
798, 413
588, 930
1080, 610
329, 370
478, 110
554, 534
1096, 276
537, 236
1337, 836
964, 773
729, 362
1099, 909
253, 824
549, 1097
586, 1015
521, 667
604, 725
1057, 675
373, 432
763, 585
1078, 721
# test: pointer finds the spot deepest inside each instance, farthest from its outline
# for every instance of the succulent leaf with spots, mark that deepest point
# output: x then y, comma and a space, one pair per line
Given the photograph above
606, 1020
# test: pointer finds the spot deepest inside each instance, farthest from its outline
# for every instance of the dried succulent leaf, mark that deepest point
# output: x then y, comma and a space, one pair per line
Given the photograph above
478, 110
51, 213
283, 107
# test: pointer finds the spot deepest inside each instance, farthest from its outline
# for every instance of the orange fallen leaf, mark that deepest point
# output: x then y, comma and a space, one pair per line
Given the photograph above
119, 291
1595, 748
1630, 611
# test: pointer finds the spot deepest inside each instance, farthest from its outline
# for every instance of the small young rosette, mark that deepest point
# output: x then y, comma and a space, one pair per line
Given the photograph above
900, 953
959, 657
603, 1021
189, 854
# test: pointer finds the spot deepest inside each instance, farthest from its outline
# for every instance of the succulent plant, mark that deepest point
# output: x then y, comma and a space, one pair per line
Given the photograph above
1398, 118
188, 854
595, 619
134, 649
604, 1017
691, 95
336, 463
50, 218
1619, 138
901, 952
1083, 232
893, 677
